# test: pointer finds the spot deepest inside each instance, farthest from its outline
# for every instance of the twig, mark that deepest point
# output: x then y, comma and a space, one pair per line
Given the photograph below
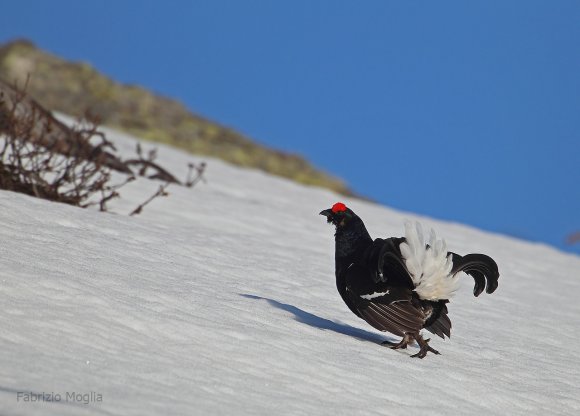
160, 192
192, 180
161, 174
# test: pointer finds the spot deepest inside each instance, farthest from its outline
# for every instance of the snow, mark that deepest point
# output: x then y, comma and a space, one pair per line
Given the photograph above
221, 300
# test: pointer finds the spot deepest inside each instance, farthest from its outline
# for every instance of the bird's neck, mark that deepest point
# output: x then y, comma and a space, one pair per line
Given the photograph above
351, 242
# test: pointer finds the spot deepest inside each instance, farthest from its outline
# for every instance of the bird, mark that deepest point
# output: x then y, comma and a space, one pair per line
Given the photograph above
402, 285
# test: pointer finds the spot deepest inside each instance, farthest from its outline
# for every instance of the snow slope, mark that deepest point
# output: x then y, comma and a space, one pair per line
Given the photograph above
221, 300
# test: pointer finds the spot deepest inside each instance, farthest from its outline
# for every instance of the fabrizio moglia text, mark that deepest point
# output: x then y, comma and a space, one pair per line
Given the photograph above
69, 396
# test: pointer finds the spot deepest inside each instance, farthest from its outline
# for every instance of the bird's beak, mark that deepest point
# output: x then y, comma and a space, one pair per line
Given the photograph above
326, 212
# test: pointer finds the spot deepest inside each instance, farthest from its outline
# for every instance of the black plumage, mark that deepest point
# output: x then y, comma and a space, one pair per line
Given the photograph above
374, 279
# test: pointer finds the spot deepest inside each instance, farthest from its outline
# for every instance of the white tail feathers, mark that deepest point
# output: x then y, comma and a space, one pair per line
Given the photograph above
429, 267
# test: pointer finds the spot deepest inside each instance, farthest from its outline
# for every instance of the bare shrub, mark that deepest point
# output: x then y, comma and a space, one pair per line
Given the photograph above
42, 157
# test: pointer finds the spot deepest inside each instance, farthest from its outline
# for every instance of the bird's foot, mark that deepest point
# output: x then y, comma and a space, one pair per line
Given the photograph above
401, 345
424, 347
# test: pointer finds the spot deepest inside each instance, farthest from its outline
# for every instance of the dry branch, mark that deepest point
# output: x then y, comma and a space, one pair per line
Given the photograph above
160, 192
41, 156
43, 129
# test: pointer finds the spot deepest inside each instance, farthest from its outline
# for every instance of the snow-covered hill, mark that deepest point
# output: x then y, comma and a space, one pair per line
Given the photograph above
221, 300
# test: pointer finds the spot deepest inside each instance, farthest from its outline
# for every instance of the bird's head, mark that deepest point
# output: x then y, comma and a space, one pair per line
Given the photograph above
339, 215
351, 235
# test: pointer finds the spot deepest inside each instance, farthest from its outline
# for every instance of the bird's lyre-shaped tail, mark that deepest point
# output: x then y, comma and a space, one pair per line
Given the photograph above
482, 268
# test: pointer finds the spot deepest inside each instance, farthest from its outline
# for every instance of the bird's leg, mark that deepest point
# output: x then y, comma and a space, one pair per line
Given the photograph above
401, 345
424, 347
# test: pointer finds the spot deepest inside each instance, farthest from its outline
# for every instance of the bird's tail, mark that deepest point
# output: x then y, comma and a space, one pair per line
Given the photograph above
429, 265
482, 268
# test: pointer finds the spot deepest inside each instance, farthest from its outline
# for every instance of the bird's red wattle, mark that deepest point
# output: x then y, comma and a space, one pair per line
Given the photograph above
338, 207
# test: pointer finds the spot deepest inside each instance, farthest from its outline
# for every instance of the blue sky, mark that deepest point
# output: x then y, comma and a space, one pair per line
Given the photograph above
462, 110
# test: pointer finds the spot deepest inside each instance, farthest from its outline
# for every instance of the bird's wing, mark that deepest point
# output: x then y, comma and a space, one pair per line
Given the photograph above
387, 263
385, 307
388, 309
399, 317
482, 268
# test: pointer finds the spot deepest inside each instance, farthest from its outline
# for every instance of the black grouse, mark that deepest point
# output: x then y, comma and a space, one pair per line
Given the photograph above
402, 285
